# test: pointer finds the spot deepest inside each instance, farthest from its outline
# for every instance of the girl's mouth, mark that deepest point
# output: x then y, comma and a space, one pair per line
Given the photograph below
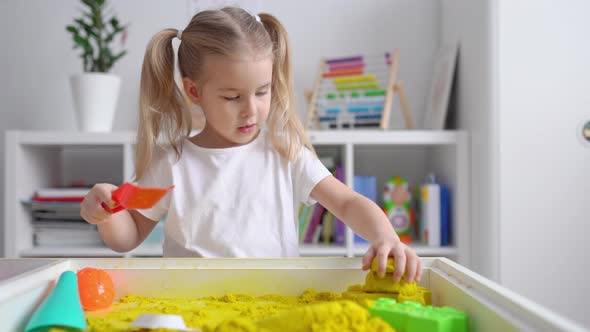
247, 129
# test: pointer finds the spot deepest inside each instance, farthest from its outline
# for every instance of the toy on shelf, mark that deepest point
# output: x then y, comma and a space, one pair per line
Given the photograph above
355, 92
61, 309
96, 289
397, 206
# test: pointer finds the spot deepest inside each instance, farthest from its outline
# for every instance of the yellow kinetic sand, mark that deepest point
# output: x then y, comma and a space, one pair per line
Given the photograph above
379, 287
312, 311
330, 317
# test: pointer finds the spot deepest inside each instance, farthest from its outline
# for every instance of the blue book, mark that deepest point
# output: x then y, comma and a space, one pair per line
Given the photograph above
445, 216
366, 186
370, 183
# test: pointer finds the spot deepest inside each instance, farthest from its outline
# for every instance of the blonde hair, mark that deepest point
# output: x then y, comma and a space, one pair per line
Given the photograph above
229, 32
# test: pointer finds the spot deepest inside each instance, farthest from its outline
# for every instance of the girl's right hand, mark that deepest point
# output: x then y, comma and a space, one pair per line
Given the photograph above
91, 209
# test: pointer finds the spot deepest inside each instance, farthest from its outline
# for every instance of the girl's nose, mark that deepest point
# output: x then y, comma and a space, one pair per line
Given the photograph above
249, 109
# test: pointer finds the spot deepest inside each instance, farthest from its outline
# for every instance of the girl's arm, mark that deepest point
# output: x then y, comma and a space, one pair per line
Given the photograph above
368, 220
122, 231
125, 230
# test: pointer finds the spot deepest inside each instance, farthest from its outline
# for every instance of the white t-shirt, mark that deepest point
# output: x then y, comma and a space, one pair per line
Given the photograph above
234, 202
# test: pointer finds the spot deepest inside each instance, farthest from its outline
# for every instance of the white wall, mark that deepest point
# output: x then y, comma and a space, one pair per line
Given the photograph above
522, 93
37, 56
470, 24
544, 82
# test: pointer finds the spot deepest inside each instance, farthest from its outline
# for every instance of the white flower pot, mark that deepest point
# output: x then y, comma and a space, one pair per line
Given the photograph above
95, 98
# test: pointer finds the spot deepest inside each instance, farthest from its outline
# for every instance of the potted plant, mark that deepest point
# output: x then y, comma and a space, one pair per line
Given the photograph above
96, 90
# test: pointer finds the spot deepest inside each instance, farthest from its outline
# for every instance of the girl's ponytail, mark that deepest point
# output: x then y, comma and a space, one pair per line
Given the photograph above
285, 128
161, 103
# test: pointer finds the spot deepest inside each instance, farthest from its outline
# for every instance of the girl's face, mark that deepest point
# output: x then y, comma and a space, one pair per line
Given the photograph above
235, 98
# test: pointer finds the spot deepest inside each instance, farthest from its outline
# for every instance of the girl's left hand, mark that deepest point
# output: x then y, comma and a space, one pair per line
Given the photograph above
404, 258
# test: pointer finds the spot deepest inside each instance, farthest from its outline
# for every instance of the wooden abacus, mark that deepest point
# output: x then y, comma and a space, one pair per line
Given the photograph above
356, 92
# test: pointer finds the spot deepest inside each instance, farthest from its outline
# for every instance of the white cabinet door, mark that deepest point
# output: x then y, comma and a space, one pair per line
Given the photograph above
543, 58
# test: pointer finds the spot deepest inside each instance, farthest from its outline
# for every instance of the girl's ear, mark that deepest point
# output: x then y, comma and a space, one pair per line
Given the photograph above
191, 90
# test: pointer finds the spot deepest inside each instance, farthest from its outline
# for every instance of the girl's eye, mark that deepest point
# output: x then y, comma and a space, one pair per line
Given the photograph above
231, 98
261, 93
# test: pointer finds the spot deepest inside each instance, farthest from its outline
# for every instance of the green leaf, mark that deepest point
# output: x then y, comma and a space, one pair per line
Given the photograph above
119, 56
109, 38
88, 49
87, 27
72, 29
115, 23
92, 18
80, 40
89, 15
91, 32
77, 43
82, 23
83, 43
90, 3
107, 52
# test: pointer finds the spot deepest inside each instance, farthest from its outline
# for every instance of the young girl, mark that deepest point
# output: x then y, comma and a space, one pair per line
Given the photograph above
238, 182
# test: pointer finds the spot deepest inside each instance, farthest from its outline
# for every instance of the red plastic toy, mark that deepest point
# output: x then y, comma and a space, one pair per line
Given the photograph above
96, 289
129, 196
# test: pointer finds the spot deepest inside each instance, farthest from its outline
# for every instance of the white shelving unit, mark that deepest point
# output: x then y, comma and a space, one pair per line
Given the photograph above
36, 159
412, 154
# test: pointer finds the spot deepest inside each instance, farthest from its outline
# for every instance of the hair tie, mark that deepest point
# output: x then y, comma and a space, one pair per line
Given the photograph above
179, 34
257, 18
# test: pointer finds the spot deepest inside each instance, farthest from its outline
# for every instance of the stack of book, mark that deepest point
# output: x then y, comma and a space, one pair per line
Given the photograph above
317, 225
56, 218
